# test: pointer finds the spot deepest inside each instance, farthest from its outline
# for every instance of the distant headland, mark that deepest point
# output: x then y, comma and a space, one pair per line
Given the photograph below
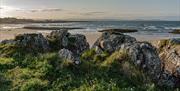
12, 20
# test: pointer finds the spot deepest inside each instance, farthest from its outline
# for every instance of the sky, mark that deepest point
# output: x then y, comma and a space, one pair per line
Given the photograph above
91, 9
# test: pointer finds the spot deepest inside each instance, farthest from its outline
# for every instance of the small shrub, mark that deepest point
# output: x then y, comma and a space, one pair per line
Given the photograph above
88, 55
117, 56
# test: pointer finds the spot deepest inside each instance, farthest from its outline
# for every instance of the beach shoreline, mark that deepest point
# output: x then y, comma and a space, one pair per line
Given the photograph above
90, 36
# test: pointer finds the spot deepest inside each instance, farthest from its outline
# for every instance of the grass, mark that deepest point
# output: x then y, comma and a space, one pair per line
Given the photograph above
48, 72
165, 43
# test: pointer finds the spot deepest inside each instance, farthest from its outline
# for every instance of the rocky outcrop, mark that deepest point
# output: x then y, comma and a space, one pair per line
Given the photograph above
175, 31
111, 42
10, 42
66, 54
32, 42
68, 44
58, 39
69, 56
76, 43
163, 70
169, 52
119, 30
144, 56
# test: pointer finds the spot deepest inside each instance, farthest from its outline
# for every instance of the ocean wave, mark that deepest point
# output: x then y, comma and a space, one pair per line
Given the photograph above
149, 27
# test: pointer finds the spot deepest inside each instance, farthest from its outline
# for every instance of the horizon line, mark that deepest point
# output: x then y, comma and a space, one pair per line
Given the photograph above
93, 19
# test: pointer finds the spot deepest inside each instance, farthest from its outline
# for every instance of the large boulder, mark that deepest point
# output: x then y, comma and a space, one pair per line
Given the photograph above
32, 42
163, 66
144, 56
111, 42
58, 39
71, 46
169, 53
67, 55
76, 43
175, 31
9, 42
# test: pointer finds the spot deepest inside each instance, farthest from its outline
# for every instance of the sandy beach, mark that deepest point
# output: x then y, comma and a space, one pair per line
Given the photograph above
91, 36
10, 34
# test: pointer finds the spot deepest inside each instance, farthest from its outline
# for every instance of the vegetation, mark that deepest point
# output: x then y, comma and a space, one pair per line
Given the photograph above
48, 72
166, 43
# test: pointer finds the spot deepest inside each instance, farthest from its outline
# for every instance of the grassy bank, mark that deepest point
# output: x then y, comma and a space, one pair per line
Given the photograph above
23, 71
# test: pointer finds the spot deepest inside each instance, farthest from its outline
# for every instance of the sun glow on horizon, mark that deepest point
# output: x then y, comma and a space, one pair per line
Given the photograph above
115, 9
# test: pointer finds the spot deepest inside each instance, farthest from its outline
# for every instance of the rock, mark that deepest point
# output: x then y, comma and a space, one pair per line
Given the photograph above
77, 44
175, 41
66, 54
163, 68
111, 42
162, 65
10, 42
144, 56
177, 71
167, 79
58, 39
169, 53
62, 39
175, 31
51, 28
32, 42
117, 31
69, 56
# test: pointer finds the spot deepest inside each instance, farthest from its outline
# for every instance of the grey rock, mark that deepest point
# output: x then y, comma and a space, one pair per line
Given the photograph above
111, 42
175, 41
69, 56
10, 42
62, 39
167, 79
161, 65
77, 44
32, 42
117, 31
66, 54
169, 54
144, 56
177, 72
58, 39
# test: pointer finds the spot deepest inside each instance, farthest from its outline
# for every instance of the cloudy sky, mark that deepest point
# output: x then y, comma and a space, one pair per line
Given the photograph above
91, 9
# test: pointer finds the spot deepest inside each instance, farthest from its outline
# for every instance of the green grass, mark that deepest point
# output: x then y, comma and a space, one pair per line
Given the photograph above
48, 72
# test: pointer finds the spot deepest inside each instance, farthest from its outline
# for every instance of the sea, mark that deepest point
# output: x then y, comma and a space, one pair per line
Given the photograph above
143, 27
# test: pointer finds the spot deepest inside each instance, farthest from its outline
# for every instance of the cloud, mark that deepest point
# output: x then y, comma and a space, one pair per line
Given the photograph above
55, 9
41, 10
8, 8
93, 13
